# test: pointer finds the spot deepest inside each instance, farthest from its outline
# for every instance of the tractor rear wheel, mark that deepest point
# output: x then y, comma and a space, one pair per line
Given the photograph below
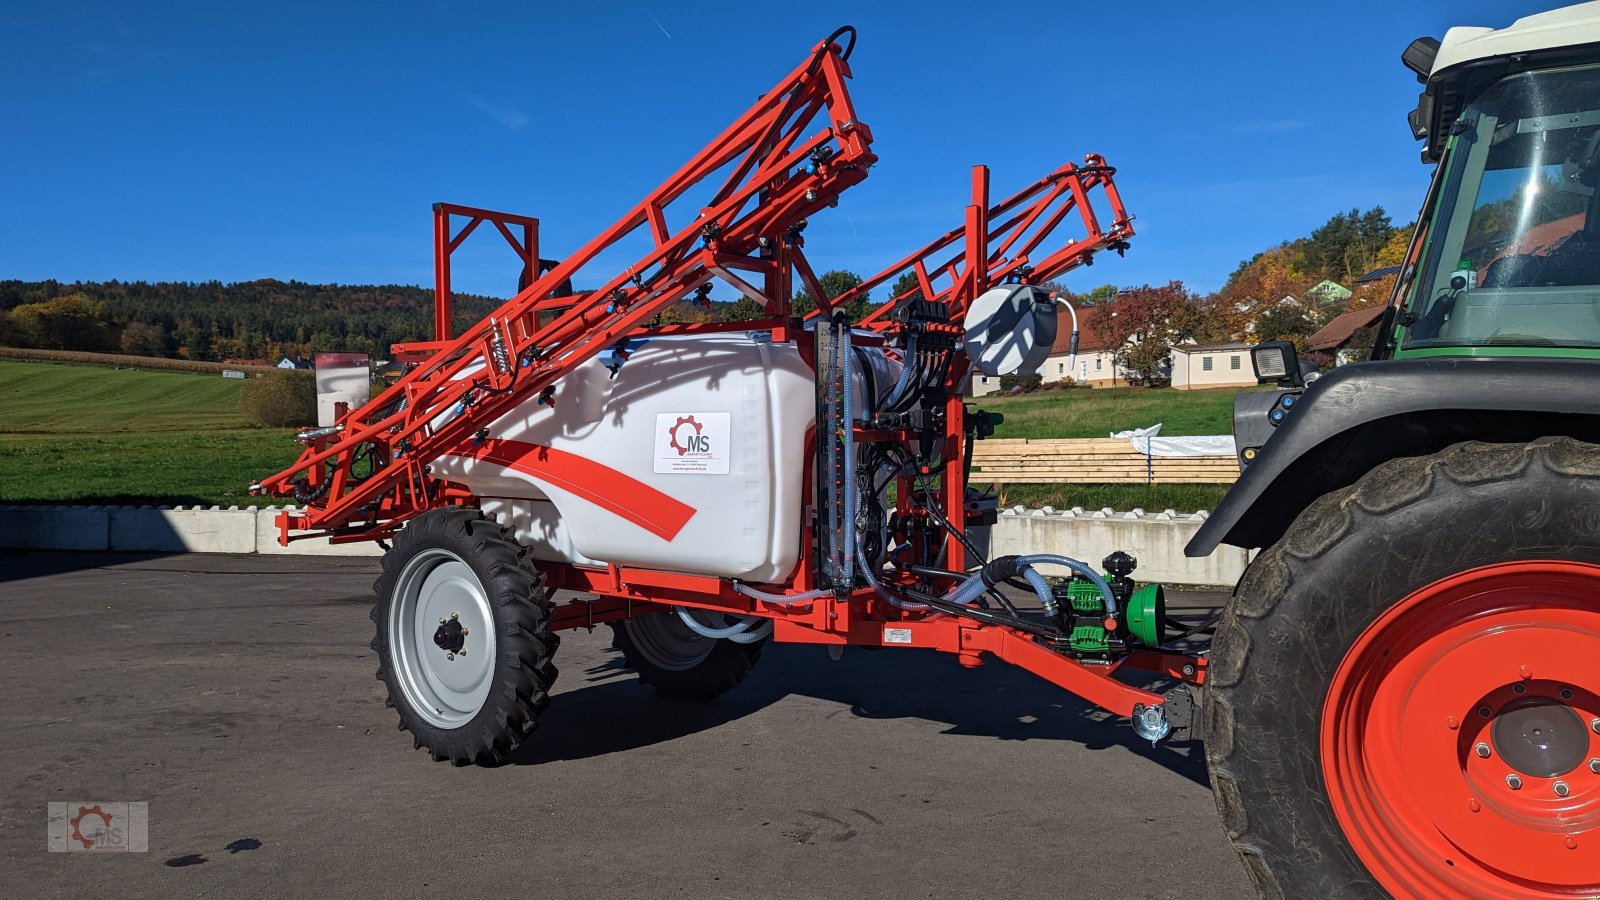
677, 662
463, 637
1404, 693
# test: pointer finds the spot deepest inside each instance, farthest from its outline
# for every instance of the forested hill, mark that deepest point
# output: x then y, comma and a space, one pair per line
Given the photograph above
211, 320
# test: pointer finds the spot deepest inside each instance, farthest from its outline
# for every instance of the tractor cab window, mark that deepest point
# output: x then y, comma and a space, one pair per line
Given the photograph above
1514, 248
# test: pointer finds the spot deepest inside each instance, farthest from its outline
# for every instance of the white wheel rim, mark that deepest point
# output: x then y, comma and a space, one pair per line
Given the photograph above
666, 643
438, 585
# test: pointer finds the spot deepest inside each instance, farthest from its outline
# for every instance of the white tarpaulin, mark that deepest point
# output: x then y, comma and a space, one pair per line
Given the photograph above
1145, 441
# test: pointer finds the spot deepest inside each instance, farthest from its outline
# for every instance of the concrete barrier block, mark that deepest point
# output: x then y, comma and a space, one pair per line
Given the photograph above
195, 529
267, 541
1157, 544
55, 527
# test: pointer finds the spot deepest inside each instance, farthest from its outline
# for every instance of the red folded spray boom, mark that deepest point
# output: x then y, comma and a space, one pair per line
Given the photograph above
789, 156
1015, 240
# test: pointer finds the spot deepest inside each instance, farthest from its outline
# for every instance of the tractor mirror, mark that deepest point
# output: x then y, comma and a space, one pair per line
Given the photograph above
1419, 57
1277, 361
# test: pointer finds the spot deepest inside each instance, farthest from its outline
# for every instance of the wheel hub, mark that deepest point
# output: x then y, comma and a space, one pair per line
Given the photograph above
1539, 736
440, 630
1457, 738
450, 637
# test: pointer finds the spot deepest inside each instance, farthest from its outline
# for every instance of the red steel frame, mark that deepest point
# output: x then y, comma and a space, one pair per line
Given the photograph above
509, 357
445, 244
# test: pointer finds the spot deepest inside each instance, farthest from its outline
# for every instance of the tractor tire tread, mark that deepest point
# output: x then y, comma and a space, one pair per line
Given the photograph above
1385, 489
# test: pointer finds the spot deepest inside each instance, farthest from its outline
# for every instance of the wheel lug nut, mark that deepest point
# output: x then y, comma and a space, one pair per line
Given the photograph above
1514, 782
465, 632
462, 652
1482, 750
1594, 725
454, 616
450, 656
1594, 766
1474, 805
443, 620
1566, 693
1561, 789
1519, 689
1485, 711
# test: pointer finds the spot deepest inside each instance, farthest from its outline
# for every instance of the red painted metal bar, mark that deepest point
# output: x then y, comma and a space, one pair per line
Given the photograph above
1011, 234
445, 244
781, 177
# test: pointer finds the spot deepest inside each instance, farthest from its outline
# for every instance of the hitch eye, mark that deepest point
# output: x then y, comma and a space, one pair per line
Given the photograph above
1276, 361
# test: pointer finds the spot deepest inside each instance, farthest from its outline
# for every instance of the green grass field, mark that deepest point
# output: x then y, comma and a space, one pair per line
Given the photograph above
88, 434
1097, 412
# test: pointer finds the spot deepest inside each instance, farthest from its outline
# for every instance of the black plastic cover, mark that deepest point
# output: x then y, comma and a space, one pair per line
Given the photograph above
1359, 416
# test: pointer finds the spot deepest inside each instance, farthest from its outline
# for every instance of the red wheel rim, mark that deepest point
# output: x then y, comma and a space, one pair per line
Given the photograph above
1449, 728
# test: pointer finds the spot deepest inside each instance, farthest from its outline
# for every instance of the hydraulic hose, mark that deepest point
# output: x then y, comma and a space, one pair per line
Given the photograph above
767, 597
848, 447
897, 393
739, 632
879, 589
1008, 566
1083, 569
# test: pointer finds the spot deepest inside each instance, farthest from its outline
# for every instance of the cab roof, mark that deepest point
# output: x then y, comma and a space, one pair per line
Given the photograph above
1563, 27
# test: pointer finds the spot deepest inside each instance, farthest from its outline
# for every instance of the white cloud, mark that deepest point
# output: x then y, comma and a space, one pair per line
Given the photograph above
510, 118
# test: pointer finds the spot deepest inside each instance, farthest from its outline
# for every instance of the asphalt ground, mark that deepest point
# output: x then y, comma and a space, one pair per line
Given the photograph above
236, 695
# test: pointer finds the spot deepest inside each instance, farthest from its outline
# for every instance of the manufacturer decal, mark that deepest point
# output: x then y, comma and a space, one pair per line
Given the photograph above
693, 443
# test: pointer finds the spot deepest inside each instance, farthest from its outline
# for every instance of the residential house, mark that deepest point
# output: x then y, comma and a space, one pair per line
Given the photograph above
292, 362
1200, 366
1095, 365
1338, 337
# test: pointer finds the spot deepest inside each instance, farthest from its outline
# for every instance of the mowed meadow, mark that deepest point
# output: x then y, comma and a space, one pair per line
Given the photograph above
89, 434
93, 435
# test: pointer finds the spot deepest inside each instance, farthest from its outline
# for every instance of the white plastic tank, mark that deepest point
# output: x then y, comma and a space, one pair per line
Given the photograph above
690, 460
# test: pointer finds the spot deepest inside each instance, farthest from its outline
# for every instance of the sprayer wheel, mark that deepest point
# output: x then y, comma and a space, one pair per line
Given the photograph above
679, 663
463, 637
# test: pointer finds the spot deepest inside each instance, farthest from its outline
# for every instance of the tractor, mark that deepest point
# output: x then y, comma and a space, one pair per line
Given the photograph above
1403, 694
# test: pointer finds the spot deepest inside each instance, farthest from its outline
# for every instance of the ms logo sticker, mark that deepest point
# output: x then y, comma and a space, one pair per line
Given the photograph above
693, 443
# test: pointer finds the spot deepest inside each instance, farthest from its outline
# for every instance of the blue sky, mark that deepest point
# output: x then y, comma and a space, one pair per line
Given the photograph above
307, 141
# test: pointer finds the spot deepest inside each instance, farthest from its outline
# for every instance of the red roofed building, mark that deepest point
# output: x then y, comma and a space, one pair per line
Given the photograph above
1338, 336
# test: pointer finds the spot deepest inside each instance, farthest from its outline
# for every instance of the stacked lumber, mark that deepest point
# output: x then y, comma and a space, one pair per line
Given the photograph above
1091, 461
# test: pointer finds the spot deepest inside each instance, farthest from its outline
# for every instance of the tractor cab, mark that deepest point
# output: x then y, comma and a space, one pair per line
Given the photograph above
1512, 251
1508, 252
1507, 256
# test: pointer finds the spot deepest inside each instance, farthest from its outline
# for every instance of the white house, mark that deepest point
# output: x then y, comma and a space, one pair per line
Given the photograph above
1197, 367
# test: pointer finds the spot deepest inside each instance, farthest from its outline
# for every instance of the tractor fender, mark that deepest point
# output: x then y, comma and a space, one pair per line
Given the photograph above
1359, 416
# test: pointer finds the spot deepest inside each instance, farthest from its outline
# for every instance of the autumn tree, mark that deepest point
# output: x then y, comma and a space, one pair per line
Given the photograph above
72, 322
144, 339
1144, 323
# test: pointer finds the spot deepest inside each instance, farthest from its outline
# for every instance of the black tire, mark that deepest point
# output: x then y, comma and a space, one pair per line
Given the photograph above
708, 667
1302, 604
519, 679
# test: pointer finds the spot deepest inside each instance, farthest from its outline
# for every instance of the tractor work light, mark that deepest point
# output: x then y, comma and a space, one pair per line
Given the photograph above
1276, 361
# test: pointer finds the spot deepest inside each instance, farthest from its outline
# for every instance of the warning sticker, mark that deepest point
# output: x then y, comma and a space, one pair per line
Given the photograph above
896, 635
693, 443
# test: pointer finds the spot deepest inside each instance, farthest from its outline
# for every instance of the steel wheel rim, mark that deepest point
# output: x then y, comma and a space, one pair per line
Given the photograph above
1425, 790
666, 643
438, 585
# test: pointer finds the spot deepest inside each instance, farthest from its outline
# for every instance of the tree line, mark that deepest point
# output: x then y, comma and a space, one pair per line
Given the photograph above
269, 319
